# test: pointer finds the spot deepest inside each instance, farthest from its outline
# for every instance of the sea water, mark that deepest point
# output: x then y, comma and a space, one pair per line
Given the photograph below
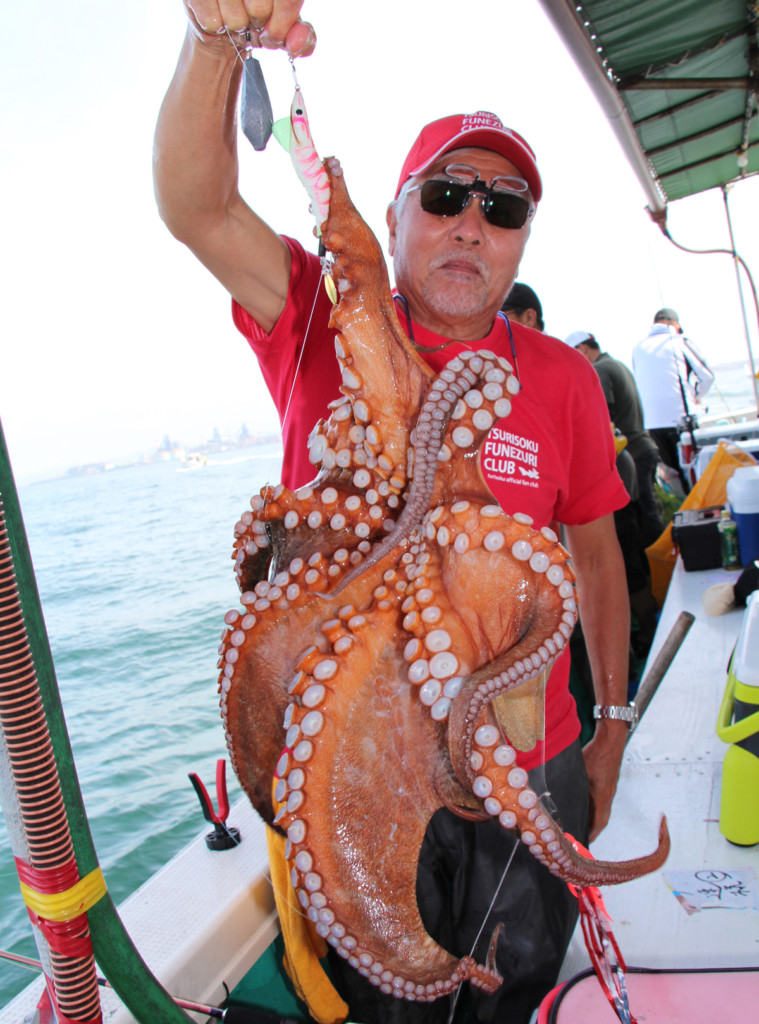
732, 390
135, 576
134, 572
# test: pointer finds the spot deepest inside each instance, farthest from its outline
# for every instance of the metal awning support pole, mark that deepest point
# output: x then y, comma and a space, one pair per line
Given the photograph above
751, 364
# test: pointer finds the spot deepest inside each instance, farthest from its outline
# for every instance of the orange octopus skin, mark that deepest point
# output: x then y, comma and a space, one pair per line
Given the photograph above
361, 671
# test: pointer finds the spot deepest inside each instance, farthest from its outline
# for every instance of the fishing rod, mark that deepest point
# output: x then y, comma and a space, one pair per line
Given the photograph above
231, 1015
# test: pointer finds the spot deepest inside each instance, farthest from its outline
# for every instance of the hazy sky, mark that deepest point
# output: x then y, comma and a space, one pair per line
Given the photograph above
113, 336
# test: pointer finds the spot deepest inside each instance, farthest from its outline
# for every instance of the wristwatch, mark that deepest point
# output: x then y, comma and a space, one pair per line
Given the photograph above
620, 712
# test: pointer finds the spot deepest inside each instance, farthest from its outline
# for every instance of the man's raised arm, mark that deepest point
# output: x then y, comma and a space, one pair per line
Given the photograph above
195, 166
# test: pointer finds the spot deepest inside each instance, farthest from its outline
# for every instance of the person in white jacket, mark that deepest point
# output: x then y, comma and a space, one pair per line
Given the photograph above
672, 376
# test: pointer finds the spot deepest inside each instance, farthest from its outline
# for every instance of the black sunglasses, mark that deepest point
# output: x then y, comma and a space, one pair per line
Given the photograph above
449, 198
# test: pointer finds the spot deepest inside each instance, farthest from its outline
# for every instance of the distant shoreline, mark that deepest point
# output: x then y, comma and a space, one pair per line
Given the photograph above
189, 455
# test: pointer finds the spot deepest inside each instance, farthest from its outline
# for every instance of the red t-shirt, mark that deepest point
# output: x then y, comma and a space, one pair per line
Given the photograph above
553, 457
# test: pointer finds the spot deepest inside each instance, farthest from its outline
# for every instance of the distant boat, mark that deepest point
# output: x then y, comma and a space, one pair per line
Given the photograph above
194, 460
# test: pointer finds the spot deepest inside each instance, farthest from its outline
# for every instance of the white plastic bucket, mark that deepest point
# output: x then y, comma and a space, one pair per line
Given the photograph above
743, 498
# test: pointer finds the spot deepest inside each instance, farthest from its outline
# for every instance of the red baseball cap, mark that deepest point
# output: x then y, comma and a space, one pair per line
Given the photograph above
482, 129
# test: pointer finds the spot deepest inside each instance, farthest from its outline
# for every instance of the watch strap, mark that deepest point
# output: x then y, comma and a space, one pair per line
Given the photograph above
618, 712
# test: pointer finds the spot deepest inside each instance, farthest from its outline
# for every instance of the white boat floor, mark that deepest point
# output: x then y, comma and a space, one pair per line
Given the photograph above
673, 766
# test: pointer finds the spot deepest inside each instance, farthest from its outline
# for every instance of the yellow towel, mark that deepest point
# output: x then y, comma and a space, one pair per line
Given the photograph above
303, 947
620, 441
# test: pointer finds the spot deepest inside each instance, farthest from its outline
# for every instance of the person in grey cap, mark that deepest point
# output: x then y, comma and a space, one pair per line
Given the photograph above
523, 305
671, 375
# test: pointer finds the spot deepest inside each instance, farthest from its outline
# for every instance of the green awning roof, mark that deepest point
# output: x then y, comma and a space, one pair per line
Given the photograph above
686, 73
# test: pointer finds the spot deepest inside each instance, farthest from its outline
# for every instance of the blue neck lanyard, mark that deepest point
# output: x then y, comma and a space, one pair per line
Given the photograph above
452, 341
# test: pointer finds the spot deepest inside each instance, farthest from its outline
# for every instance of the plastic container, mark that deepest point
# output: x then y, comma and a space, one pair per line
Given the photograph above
738, 725
695, 531
706, 451
743, 498
687, 456
698, 996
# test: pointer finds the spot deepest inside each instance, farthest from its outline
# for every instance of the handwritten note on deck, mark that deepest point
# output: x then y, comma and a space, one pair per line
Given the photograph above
713, 889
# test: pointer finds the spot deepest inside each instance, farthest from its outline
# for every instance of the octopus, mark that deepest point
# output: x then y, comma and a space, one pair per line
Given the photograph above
395, 634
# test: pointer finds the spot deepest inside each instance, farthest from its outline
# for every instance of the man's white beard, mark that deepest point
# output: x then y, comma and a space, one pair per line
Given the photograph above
456, 301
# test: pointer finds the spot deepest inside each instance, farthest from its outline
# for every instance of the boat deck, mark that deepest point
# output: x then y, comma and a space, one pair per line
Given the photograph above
673, 766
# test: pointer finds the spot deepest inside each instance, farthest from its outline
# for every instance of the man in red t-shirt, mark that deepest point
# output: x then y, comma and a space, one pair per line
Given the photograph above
456, 247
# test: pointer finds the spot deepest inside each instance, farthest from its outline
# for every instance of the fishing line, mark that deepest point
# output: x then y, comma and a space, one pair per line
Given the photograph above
715, 252
248, 43
301, 353
313, 304
288, 896
300, 356
25, 962
215, 1012
292, 68
545, 798
236, 839
495, 895
307, 331
457, 993
721, 397
248, 49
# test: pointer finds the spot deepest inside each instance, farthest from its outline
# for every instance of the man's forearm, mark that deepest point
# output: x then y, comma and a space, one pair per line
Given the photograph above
195, 153
605, 617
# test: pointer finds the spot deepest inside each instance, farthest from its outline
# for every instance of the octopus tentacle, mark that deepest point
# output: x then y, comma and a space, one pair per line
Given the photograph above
338, 885
505, 792
262, 642
334, 520
453, 532
469, 390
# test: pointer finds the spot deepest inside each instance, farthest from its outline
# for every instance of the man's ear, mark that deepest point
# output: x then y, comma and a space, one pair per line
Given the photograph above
392, 223
530, 318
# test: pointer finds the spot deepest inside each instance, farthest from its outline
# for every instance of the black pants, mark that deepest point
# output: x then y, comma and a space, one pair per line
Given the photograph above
651, 526
667, 439
460, 869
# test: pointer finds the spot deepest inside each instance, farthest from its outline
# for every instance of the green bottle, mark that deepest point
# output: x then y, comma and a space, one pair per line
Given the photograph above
728, 541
